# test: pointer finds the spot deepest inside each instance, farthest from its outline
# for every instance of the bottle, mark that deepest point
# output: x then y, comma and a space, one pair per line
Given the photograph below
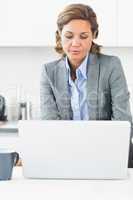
28, 110
23, 114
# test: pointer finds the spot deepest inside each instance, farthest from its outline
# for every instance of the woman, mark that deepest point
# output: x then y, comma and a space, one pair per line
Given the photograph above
83, 84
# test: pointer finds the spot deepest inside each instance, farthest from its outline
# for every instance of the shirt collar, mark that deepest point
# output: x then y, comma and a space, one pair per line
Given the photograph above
81, 69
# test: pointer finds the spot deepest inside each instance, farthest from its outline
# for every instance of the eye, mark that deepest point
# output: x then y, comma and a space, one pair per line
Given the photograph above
69, 36
84, 36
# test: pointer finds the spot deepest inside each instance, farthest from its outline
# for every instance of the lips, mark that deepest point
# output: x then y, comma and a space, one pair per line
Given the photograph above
74, 52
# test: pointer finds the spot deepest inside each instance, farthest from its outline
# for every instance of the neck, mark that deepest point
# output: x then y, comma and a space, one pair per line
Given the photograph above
73, 67
74, 64
73, 74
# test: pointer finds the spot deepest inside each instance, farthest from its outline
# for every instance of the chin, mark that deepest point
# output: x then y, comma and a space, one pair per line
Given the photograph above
76, 57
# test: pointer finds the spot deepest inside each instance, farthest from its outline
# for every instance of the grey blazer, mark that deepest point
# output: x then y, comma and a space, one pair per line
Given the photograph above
107, 92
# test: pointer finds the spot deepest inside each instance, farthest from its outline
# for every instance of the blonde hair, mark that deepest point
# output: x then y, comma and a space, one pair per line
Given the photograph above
77, 11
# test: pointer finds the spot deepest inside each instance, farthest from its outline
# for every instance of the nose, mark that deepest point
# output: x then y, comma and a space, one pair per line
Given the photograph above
76, 41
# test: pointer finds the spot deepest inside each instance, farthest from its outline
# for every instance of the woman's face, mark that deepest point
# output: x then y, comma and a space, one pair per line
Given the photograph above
76, 39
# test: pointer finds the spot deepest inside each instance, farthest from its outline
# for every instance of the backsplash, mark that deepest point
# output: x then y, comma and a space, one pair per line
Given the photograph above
20, 69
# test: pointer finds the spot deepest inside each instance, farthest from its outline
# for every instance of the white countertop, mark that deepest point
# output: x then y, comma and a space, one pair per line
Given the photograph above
20, 188
9, 134
8, 124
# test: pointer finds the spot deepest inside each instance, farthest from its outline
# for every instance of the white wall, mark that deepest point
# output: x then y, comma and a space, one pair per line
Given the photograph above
20, 75
20, 71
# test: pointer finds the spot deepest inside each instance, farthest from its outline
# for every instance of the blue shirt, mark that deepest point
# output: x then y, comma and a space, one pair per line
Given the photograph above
78, 91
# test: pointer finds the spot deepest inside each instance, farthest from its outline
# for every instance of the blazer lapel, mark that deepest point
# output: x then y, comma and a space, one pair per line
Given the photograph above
62, 89
92, 86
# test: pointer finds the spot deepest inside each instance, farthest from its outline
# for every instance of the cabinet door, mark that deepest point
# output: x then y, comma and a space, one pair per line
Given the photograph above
125, 25
106, 16
33, 22
3, 21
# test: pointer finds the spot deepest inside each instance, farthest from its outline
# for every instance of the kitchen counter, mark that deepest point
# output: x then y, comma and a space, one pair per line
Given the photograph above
8, 127
9, 134
20, 188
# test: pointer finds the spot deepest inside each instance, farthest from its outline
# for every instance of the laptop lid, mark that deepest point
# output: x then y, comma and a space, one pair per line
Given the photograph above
74, 149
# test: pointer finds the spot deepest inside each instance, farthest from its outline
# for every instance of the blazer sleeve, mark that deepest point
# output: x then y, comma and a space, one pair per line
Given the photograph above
120, 100
48, 107
119, 92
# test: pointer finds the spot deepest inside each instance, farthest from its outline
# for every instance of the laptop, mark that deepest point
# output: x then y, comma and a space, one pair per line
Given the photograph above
74, 149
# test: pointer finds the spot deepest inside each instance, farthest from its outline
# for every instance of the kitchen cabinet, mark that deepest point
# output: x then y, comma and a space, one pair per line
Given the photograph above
3, 21
33, 22
125, 27
106, 13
